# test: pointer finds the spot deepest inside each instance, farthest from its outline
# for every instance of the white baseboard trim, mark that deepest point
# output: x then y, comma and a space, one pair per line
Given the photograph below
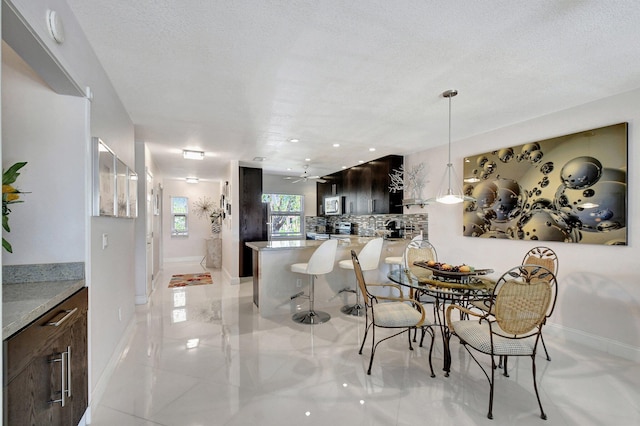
232, 280
604, 344
182, 259
96, 394
141, 300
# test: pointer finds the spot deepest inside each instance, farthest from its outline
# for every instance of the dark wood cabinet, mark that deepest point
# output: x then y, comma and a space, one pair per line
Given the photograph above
253, 216
366, 187
45, 367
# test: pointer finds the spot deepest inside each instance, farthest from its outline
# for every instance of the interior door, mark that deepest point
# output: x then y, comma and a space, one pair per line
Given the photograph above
149, 231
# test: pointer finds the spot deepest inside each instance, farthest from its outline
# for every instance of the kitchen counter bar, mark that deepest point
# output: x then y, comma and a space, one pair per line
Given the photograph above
274, 284
23, 303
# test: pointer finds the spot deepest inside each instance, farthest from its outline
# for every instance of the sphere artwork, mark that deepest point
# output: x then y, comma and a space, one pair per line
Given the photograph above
505, 155
509, 201
600, 208
571, 188
581, 172
474, 224
547, 225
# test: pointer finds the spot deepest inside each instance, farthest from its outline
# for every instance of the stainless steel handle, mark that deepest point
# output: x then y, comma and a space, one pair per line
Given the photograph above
63, 319
64, 374
69, 371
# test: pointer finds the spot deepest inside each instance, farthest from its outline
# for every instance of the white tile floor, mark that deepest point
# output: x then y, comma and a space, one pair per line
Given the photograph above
246, 370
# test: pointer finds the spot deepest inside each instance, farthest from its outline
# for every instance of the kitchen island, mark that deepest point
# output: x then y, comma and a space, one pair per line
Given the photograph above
274, 284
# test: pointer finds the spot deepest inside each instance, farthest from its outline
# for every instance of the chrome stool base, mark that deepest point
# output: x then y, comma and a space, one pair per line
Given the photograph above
356, 310
311, 317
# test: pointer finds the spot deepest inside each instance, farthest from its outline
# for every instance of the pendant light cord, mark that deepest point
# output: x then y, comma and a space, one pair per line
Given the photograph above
449, 163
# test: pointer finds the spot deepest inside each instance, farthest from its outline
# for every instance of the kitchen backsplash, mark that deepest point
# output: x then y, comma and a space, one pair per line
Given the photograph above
408, 225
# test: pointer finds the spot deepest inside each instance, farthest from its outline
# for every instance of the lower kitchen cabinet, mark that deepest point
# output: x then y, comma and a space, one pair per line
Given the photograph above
45, 367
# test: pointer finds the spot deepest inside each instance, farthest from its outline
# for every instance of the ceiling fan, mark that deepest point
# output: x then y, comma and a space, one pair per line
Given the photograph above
305, 176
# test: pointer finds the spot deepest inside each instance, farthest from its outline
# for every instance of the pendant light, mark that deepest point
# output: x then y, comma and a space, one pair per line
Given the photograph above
453, 192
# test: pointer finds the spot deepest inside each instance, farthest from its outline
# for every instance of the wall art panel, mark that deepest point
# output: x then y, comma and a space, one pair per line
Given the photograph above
570, 188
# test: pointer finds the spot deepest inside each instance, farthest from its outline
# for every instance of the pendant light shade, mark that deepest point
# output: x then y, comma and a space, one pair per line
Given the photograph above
450, 190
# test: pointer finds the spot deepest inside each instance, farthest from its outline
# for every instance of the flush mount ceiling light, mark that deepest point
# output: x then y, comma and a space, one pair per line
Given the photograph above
192, 180
453, 192
192, 155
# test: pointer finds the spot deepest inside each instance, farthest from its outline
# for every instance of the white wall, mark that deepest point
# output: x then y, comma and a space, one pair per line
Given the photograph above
230, 230
598, 290
191, 247
47, 131
275, 184
109, 272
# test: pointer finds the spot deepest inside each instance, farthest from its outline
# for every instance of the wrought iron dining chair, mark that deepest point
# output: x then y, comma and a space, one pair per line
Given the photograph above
537, 256
389, 312
521, 302
420, 249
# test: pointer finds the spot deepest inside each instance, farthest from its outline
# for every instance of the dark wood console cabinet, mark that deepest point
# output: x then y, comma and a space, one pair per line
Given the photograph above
45, 367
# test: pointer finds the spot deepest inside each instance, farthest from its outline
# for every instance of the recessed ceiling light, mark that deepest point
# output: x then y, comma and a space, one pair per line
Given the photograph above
307, 159
294, 140
371, 149
192, 180
192, 155
336, 145
288, 168
344, 167
259, 158
360, 161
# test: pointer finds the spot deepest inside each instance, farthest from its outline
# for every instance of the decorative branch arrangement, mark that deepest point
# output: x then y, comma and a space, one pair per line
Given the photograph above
415, 181
397, 183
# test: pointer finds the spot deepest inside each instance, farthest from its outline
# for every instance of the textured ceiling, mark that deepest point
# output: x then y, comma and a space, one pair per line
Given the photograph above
239, 79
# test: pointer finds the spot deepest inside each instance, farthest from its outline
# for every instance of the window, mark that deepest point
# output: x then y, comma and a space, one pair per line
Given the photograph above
179, 216
286, 215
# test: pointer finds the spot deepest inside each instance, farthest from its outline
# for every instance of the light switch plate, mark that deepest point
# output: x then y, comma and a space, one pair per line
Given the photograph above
105, 241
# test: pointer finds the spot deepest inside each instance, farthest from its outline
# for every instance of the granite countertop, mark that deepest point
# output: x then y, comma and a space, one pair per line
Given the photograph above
29, 291
347, 241
23, 303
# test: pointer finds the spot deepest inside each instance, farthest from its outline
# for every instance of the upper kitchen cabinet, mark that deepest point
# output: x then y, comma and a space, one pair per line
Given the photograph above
366, 187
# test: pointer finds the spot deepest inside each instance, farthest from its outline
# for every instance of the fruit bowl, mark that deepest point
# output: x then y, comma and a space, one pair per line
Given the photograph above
453, 272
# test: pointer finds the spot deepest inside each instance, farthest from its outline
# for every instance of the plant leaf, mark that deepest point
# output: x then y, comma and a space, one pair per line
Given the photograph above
10, 175
6, 245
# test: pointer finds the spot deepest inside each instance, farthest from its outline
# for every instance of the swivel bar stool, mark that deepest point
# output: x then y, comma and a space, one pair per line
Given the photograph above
320, 263
369, 258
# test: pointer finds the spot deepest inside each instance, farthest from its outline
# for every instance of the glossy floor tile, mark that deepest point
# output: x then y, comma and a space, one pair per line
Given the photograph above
203, 356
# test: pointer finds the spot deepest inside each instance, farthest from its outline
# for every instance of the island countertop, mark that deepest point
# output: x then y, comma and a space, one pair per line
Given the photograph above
23, 303
276, 286
346, 241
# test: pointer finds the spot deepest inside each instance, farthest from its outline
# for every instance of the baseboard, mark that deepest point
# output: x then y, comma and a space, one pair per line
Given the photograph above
141, 300
609, 346
96, 394
182, 259
232, 280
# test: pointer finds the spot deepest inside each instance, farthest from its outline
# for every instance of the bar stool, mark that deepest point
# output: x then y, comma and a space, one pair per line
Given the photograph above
369, 258
320, 263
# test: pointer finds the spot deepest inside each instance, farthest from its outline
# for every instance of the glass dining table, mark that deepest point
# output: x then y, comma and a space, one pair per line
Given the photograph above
442, 291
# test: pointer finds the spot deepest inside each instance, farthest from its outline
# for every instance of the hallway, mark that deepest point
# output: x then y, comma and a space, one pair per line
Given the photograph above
203, 356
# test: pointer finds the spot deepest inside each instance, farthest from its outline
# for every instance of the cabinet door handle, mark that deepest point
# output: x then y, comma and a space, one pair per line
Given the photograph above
69, 371
65, 374
63, 319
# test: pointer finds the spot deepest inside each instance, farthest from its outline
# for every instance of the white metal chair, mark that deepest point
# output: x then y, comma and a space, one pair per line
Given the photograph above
369, 258
320, 263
